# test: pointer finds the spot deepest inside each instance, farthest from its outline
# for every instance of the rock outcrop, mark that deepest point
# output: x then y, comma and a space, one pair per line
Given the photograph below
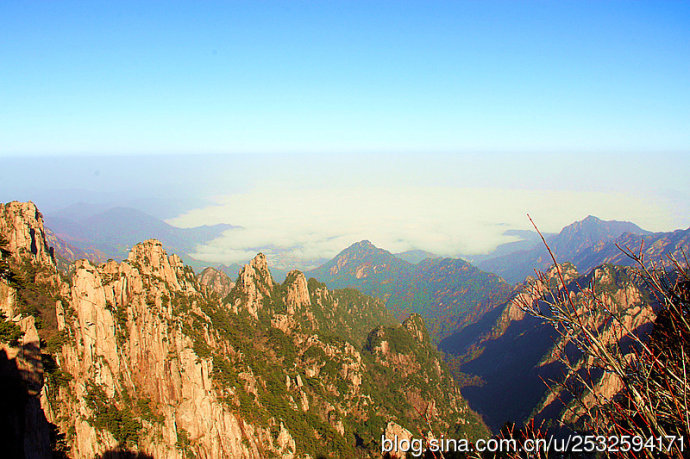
397, 434
254, 285
21, 224
125, 339
297, 292
214, 280
24, 430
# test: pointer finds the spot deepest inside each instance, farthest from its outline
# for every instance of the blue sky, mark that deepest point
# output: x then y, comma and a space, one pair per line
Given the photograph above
428, 125
199, 77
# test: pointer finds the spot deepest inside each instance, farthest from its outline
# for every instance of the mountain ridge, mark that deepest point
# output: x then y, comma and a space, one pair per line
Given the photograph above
115, 230
566, 245
447, 293
140, 357
511, 351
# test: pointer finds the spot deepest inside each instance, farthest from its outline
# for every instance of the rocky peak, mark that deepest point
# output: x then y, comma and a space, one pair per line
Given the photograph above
148, 253
259, 262
415, 325
259, 268
254, 283
568, 270
214, 280
297, 291
592, 230
362, 249
361, 260
21, 224
151, 259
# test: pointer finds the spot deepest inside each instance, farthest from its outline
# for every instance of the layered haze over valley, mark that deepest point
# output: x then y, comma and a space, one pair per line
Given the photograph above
303, 209
302, 229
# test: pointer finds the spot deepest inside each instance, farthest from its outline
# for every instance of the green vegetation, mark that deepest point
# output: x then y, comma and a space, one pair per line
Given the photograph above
463, 379
122, 333
394, 389
53, 376
184, 444
448, 293
35, 294
146, 412
201, 349
224, 371
121, 422
10, 332
269, 356
399, 340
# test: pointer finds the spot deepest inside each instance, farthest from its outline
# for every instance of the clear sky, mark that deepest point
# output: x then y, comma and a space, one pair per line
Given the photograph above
429, 125
290, 76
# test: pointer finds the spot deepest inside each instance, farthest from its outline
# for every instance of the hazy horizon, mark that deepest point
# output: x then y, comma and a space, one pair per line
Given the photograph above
300, 209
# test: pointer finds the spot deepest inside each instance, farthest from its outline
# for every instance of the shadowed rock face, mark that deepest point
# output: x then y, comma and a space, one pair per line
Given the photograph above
24, 429
514, 353
144, 359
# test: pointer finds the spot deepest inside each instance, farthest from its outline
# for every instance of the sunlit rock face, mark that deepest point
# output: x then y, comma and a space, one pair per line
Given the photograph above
214, 280
22, 226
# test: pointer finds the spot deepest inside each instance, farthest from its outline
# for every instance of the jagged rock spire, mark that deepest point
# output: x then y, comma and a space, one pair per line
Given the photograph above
297, 291
22, 226
254, 283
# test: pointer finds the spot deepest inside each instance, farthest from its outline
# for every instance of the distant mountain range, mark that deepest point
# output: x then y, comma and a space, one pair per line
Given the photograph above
114, 231
448, 293
415, 256
451, 293
584, 243
98, 233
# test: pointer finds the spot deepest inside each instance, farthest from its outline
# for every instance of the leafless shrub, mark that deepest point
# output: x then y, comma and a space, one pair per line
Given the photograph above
648, 373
